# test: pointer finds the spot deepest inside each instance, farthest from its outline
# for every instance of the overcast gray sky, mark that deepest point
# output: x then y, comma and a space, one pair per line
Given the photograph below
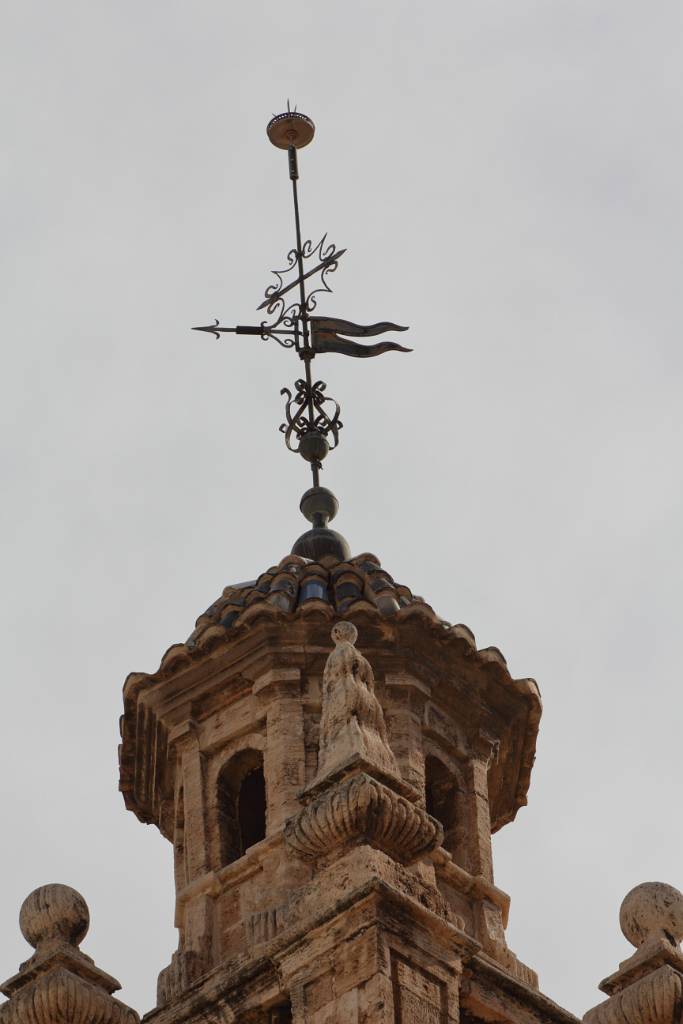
506, 175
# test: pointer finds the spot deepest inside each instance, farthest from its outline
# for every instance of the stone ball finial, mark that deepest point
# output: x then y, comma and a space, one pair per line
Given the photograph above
652, 910
52, 913
344, 632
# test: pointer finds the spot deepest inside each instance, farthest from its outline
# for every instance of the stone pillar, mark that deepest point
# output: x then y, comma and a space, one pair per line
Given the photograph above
190, 760
476, 808
285, 754
194, 916
367, 967
405, 712
489, 928
344, 976
60, 984
648, 987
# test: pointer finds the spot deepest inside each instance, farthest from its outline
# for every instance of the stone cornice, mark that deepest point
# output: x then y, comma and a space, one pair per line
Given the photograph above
483, 980
213, 882
218, 987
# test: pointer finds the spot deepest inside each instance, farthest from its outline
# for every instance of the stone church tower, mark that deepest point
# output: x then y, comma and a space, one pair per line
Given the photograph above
328, 760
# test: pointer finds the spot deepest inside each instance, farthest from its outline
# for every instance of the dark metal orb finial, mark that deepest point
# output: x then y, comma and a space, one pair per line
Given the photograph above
320, 543
319, 505
290, 129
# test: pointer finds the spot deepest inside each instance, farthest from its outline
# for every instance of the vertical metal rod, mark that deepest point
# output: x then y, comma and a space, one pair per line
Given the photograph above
303, 314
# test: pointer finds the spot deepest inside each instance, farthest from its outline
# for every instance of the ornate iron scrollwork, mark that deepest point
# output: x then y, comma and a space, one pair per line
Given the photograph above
290, 316
312, 423
306, 414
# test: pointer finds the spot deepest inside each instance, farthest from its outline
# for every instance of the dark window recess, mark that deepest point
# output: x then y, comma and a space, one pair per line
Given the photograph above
251, 808
281, 1014
241, 794
440, 793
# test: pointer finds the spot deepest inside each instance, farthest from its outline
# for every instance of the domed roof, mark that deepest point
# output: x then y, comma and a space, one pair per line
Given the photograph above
298, 588
296, 584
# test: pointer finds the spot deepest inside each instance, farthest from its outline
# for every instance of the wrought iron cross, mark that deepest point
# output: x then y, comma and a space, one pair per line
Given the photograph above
312, 422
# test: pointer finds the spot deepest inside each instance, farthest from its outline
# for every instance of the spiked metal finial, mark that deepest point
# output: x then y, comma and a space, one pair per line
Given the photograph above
290, 129
312, 422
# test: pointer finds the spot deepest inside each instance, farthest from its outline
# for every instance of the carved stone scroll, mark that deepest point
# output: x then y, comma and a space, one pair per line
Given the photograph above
362, 810
655, 999
62, 997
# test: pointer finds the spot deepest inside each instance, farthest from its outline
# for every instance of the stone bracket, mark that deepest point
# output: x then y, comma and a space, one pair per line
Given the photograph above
358, 810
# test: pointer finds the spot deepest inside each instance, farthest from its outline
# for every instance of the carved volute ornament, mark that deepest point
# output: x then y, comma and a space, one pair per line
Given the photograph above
358, 796
648, 987
59, 984
352, 722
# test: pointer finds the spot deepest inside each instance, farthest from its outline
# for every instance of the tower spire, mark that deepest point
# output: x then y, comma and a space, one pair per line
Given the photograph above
312, 417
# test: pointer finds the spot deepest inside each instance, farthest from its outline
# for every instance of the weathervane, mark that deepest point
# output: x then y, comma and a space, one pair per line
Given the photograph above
312, 422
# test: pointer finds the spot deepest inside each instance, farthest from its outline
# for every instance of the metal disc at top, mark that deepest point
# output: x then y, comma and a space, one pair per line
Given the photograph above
290, 129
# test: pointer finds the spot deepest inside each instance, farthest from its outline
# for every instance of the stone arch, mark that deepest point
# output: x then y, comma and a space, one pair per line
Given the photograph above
445, 800
241, 804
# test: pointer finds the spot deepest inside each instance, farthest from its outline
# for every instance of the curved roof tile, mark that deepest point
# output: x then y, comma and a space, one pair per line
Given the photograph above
297, 582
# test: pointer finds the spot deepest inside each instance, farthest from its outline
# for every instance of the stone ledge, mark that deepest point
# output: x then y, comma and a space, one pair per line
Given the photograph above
470, 885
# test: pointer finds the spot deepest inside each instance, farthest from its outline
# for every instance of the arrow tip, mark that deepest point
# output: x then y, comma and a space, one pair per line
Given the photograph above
209, 330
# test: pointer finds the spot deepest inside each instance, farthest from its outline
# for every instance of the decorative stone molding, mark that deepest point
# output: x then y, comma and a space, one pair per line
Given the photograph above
59, 984
655, 999
361, 809
61, 997
648, 987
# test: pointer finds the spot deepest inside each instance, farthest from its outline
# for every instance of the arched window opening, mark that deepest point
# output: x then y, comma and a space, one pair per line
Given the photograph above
241, 804
281, 1014
251, 808
440, 794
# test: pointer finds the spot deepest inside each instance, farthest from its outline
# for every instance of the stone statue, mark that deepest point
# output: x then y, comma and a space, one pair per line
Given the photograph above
352, 724
358, 796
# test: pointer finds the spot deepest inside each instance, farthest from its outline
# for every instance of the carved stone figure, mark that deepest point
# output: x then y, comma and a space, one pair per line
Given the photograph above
358, 796
352, 723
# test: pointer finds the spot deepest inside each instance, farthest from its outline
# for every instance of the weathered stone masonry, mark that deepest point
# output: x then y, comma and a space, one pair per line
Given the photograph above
329, 759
